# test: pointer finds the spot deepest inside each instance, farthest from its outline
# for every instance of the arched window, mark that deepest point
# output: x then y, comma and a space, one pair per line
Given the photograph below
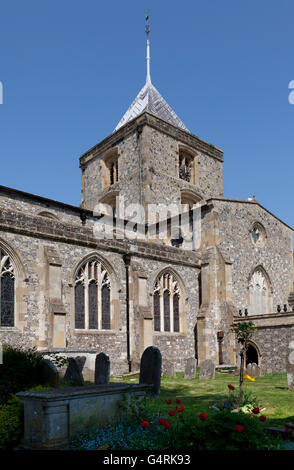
166, 304
259, 293
7, 280
188, 170
92, 297
110, 168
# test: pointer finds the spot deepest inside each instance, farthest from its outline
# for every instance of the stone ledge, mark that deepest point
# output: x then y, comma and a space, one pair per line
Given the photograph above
268, 319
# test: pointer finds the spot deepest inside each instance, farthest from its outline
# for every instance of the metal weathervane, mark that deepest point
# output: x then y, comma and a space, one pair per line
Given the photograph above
147, 29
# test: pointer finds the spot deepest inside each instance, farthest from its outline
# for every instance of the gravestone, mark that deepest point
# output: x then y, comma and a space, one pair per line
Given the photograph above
168, 368
290, 366
102, 369
81, 362
207, 369
48, 373
150, 369
249, 369
73, 372
255, 370
190, 368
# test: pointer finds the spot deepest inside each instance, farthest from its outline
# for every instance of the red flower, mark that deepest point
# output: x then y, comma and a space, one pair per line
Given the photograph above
168, 402
255, 411
178, 401
162, 421
262, 418
145, 424
203, 417
167, 424
231, 387
181, 409
288, 430
239, 428
171, 412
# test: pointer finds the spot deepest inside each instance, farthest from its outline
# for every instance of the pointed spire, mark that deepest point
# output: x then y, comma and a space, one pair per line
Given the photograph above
147, 29
149, 99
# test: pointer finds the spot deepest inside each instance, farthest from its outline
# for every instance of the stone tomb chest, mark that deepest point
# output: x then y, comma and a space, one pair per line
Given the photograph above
53, 417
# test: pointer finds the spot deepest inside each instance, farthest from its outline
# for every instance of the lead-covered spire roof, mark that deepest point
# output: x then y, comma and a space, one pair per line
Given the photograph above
149, 99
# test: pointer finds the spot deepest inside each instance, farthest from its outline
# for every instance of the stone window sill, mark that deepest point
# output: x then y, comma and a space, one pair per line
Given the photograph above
169, 333
95, 332
9, 329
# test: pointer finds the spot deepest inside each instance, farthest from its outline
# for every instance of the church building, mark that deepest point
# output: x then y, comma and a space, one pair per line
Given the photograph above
67, 289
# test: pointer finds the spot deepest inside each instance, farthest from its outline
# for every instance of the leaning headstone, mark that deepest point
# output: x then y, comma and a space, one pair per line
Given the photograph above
168, 368
255, 370
102, 369
150, 369
81, 361
48, 373
190, 368
207, 369
290, 366
73, 372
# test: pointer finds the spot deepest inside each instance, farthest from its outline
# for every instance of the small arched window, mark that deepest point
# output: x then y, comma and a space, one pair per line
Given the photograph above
166, 304
92, 297
7, 288
259, 293
188, 170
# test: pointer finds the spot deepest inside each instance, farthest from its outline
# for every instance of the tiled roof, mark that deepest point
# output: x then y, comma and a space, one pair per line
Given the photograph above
149, 99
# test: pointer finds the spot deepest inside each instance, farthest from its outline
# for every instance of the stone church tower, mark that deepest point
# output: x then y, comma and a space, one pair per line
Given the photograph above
67, 288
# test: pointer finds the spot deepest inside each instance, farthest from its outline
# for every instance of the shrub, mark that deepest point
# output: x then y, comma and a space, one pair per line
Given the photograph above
11, 423
18, 371
232, 400
224, 430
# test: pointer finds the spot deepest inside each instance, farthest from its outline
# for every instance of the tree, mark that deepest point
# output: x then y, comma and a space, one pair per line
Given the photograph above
244, 332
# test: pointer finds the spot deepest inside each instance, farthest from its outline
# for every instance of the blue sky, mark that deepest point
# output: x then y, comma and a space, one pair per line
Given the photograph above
70, 69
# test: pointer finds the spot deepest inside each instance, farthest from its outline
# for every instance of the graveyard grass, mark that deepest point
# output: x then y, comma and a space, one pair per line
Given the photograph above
271, 391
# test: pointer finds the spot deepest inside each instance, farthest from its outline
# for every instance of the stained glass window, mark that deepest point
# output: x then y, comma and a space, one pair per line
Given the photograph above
92, 297
166, 304
6, 290
156, 300
79, 306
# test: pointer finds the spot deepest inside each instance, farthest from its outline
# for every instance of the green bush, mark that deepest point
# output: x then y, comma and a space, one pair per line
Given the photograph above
18, 371
218, 432
11, 423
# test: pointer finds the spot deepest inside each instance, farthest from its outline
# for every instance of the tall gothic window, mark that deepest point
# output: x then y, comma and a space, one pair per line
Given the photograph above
92, 297
166, 304
7, 281
259, 293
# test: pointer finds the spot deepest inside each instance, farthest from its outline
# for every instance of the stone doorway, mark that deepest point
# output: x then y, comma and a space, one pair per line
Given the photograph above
251, 355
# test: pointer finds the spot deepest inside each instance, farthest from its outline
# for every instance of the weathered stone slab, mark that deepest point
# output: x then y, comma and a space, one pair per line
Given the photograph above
73, 372
102, 369
48, 373
207, 369
168, 368
190, 368
150, 369
290, 366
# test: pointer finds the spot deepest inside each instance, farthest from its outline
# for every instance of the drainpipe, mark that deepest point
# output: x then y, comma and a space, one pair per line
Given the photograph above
127, 261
